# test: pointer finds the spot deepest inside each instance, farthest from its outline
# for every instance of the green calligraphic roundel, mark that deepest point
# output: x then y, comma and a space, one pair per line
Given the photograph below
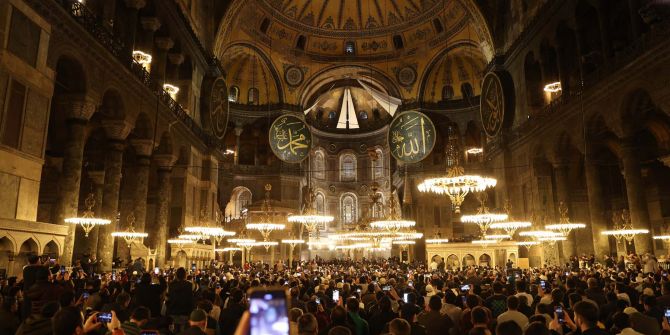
290, 138
411, 137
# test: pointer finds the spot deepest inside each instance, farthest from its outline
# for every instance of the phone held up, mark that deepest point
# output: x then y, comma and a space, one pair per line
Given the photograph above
560, 315
268, 312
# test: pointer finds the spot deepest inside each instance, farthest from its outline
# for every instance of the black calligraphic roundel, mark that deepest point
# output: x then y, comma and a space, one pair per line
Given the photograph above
411, 137
290, 138
218, 108
492, 106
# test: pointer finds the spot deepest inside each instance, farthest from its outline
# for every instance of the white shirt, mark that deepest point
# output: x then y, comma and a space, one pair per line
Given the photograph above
529, 298
515, 316
630, 331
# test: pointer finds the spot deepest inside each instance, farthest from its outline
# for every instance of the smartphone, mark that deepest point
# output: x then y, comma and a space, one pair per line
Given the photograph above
465, 288
336, 295
268, 309
104, 317
358, 290
84, 295
410, 283
318, 301
62, 269
157, 271
667, 314
560, 315
387, 288
193, 267
567, 273
543, 284
405, 297
149, 332
465, 299
52, 260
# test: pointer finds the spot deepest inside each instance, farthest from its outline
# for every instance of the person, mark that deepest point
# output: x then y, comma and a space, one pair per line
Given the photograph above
307, 325
497, 302
120, 307
382, 316
522, 290
408, 312
68, 321
622, 325
38, 324
480, 318
180, 301
664, 299
212, 324
295, 299
537, 328
339, 330
399, 326
197, 323
138, 319
508, 328
8, 320
360, 325
232, 312
148, 295
449, 307
338, 318
512, 313
586, 320
642, 323
31, 270
293, 315
651, 308
595, 292
435, 322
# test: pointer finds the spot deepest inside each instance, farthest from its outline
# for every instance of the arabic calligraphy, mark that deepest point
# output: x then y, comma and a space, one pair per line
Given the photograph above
411, 137
290, 139
492, 107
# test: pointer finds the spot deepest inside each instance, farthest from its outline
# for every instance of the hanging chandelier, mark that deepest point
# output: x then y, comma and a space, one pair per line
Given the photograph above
393, 222
180, 243
265, 244
497, 237
510, 227
88, 220
483, 218
456, 184
527, 244
538, 234
310, 218
623, 228
564, 226
130, 235
437, 240
266, 226
206, 231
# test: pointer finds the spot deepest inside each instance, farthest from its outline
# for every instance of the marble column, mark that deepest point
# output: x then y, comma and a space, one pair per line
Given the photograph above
130, 26
158, 235
159, 63
98, 180
79, 110
116, 131
598, 223
238, 133
563, 195
143, 150
635, 191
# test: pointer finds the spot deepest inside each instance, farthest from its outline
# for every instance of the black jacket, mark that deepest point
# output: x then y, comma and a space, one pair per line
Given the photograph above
180, 298
230, 316
149, 296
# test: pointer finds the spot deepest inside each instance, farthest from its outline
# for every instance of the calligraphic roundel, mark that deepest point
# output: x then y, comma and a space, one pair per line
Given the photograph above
218, 108
411, 137
493, 104
290, 138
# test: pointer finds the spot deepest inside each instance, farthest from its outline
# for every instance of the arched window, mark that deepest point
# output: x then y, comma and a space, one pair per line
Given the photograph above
234, 94
438, 25
240, 199
349, 48
397, 42
302, 40
264, 25
252, 98
320, 204
466, 90
378, 208
363, 115
348, 209
319, 165
378, 165
447, 92
348, 167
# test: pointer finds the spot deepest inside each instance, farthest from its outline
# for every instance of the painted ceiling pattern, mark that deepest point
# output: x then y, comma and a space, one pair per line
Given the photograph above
327, 17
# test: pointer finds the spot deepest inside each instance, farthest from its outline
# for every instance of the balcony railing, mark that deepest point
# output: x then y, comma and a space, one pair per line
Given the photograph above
91, 23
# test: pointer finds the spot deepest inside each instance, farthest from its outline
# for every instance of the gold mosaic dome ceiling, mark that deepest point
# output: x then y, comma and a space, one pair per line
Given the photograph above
353, 18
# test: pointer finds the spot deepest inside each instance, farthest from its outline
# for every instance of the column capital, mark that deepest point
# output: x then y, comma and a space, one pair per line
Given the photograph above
116, 130
135, 4
665, 160
176, 58
164, 161
150, 23
238, 131
143, 147
76, 106
97, 176
164, 42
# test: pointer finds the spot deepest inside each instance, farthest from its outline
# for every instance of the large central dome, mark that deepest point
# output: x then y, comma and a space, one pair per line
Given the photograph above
353, 18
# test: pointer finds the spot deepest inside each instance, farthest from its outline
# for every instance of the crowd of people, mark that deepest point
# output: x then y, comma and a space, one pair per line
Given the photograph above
340, 297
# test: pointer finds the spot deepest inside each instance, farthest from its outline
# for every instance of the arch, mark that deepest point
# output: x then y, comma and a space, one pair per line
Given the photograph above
240, 199
143, 127
6, 253
181, 259
348, 209
348, 167
485, 260
241, 57
319, 165
512, 257
587, 19
28, 247
377, 164
52, 249
569, 58
469, 260
70, 76
112, 105
453, 261
234, 94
